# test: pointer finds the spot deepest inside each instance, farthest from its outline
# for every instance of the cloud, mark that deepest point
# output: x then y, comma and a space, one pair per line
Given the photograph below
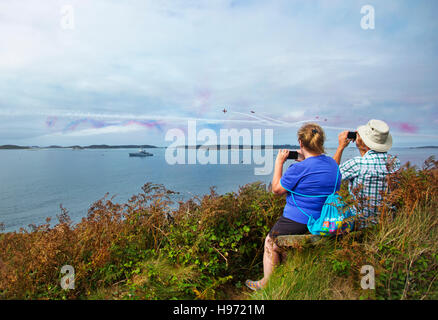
178, 60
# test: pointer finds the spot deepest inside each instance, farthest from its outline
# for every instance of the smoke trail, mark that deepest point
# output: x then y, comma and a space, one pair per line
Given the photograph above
53, 118
51, 121
146, 124
94, 123
97, 124
274, 122
251, 116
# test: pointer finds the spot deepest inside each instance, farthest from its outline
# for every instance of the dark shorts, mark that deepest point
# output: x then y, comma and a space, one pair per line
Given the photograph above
285, 226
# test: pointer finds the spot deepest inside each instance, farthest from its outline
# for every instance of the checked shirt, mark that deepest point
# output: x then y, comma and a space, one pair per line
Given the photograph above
367, 180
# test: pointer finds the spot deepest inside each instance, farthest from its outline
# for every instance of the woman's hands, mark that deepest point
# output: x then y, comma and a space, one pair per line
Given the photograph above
300, 156
284, 153
278, 171
282, 156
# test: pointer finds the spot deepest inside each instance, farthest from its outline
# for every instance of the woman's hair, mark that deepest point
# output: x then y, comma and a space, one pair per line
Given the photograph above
312, 137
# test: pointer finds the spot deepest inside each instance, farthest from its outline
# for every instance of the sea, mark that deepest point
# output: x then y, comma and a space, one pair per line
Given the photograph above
35, 182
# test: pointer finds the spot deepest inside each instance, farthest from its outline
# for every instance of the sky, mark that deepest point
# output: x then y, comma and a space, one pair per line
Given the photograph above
82, 72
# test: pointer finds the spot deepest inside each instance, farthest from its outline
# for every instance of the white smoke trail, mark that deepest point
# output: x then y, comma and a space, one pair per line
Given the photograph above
271, 121
275, 120
252, 116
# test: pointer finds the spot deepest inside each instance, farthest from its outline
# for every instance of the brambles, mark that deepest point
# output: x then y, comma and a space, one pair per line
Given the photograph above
215, 237
222, 234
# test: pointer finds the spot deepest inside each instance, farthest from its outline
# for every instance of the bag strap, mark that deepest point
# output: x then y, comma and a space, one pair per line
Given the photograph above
296, 205
316, 196
336, 183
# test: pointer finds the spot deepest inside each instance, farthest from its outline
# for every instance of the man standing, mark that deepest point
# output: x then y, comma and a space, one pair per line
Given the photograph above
367, 174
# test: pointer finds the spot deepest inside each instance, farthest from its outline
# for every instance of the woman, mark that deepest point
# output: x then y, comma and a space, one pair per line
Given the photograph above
314, 174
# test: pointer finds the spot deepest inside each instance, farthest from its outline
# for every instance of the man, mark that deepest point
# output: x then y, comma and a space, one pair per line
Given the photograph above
367, 174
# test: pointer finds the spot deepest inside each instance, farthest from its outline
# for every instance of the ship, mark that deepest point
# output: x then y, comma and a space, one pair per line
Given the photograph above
141, 153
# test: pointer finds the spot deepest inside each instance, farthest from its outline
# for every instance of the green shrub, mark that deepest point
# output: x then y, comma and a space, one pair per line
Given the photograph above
224, 235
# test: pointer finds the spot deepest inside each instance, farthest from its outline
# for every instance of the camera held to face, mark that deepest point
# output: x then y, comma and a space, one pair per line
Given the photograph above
293, 155
352, 135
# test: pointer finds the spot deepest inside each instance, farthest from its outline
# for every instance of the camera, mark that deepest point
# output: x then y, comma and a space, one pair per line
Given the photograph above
352, 135
293, 155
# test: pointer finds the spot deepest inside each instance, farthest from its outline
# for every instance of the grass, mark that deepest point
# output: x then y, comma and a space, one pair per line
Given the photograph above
304, 276
153, 279
405, 263
207, 247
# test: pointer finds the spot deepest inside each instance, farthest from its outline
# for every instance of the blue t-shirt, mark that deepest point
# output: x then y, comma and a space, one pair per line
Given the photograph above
312, 176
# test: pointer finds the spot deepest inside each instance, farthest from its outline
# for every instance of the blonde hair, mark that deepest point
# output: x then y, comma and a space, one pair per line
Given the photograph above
312, 137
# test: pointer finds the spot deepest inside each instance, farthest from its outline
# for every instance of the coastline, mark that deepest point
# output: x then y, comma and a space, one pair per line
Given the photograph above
146, 146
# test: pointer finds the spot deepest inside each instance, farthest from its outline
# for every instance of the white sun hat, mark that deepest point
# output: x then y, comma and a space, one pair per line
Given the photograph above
375, 134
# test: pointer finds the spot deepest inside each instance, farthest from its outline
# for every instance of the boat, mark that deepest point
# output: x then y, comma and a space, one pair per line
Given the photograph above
141, 153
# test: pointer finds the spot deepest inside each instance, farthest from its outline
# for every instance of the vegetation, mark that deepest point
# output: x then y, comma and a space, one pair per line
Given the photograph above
204, 248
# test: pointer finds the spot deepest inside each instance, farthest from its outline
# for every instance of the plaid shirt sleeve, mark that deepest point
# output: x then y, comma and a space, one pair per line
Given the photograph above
349, 169
394, 164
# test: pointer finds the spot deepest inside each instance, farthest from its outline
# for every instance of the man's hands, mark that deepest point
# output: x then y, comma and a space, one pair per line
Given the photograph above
343, 143
343, 140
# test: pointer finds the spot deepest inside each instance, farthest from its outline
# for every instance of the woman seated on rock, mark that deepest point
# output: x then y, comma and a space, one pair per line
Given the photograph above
313, 174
